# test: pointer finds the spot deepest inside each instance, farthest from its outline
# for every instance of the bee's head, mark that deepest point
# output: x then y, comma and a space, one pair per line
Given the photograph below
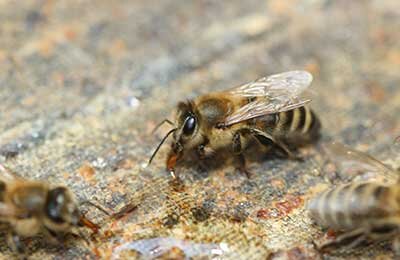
185, 133
61, 211
187, 122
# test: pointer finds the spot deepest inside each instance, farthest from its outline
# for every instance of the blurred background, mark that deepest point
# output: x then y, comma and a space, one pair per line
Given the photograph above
83, 83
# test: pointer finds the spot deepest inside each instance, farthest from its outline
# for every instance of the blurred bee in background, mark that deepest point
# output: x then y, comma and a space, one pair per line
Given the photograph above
32, 207
364, 211
269, 110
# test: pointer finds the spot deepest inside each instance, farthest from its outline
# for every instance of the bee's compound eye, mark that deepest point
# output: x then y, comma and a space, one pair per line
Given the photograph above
189, 126
56, 200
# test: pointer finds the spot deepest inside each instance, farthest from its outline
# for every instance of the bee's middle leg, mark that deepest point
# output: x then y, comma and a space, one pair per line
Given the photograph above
238, 151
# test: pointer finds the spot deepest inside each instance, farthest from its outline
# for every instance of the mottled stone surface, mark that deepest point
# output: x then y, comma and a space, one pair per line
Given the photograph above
83, 83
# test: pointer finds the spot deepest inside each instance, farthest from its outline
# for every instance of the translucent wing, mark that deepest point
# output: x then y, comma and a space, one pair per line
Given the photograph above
279, 93
261, 108
284, 85
350, 160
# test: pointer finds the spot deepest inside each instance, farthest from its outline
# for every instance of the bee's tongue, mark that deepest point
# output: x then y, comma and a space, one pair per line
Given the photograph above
171, 162
89, 224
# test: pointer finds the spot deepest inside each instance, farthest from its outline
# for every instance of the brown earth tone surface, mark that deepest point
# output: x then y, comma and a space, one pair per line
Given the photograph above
83, 83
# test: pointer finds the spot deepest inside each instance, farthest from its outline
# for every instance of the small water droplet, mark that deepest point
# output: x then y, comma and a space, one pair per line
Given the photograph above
99, 163
133, 102
144, 165
35, 135
216, 252
224, 247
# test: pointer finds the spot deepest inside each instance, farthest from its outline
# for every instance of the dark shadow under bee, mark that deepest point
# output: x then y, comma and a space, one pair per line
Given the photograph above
258, 151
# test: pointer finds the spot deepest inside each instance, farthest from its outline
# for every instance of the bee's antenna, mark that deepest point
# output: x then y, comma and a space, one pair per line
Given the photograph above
96, 206
161, 143
161, 123
124, 210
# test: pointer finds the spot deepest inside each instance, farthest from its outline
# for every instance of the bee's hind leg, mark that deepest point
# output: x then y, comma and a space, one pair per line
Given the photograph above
242, 165
237, 150
289, 153
262, 137
349, 240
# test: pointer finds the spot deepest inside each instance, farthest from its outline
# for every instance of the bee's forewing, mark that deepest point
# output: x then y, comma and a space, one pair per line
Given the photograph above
350, 160
277, 93
261, 108
284, 85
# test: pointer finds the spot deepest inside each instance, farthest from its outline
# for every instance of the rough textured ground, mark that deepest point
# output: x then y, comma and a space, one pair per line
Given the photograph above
82, 84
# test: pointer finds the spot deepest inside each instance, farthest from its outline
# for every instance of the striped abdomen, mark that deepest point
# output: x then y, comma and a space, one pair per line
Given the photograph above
354, 205
293, 124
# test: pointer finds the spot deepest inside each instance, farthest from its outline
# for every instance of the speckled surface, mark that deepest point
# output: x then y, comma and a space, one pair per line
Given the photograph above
83, 83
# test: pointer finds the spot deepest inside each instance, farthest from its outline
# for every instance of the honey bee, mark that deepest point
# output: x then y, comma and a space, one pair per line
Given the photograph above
32, 207
269, 110
365, 211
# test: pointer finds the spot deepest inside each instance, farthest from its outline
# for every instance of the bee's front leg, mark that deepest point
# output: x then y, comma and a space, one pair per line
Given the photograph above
204, 150
201, 151
16, 244
54, 237
238, 151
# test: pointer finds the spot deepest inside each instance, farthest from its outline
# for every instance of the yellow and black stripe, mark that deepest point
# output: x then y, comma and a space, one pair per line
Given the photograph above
350, 206
300, 120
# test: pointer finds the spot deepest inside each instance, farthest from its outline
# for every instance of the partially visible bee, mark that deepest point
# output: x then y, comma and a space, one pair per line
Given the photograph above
269, 110
397, 144
32, 207
364, 211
